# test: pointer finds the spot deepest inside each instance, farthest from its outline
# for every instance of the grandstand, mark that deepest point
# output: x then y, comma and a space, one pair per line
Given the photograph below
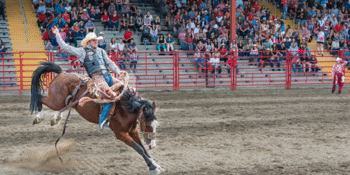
22, 34
326, 61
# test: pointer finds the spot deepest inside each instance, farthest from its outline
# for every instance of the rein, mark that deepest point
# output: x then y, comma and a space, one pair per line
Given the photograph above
81, 83
147, 135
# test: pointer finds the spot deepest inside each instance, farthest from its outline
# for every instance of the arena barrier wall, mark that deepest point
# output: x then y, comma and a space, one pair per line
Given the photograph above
182, 70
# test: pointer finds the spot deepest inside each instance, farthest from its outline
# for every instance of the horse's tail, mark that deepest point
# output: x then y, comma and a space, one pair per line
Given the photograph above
37, 83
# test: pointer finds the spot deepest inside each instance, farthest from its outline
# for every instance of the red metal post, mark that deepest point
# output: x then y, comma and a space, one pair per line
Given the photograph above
174, 71
21, 73
146, 62
233, 71
51, 59
288, 71
115, 59
177, 81
233, 20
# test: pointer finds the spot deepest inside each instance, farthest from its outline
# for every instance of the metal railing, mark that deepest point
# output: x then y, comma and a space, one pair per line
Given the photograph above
24, 19
182, 70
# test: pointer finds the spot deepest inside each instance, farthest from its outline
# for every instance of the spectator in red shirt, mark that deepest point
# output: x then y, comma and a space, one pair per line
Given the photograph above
66, 16
41, 19
223, 53
105, 20
303, 57
114, 20
256, 6
46, 37
127, 36
338, 27
218, 11
66, 28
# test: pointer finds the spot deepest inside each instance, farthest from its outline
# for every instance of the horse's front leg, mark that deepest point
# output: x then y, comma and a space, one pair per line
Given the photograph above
56, 118
134, 134
125, 137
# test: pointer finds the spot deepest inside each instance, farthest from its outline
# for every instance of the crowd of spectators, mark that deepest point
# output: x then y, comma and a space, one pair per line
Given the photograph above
325, 20
198, 25
204, 25
75, 19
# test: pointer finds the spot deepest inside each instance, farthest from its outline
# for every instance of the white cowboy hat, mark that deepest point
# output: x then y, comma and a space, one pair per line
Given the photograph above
338, 59
90, 36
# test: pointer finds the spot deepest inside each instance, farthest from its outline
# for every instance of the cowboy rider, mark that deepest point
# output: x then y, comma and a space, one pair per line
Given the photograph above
338, 74
96, 64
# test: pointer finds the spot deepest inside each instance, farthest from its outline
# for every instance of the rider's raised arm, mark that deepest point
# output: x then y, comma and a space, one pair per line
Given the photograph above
110, 63
78, 52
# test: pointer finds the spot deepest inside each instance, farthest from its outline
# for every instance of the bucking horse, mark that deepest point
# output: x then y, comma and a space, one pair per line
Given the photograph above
72, 90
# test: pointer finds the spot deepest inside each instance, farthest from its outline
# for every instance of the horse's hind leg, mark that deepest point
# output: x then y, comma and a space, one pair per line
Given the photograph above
56, 118
40, 116
54, 103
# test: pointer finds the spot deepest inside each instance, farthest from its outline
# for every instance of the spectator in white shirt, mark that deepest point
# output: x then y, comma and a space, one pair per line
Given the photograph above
196, 30
113, 45
190, 24
68, 8
215, 61
41, 8
239, 2
294, 49
335, 46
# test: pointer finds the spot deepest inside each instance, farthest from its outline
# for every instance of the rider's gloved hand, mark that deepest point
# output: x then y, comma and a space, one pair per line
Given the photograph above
122, 73
55, 30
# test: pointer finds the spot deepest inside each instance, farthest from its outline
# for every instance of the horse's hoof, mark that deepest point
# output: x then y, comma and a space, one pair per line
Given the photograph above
37, 121
152, 144
56, 119
155, 172
158, 166
53, 122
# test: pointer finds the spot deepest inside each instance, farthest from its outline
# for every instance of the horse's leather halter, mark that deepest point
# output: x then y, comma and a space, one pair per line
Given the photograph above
147, 135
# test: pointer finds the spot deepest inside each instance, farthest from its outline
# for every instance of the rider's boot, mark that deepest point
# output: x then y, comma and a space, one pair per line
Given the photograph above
103, 123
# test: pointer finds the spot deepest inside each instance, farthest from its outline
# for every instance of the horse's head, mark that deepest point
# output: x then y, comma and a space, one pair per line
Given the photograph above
148, 124
132, 103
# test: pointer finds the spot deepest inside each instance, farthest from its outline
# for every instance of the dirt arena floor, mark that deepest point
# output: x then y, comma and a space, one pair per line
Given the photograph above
299, 131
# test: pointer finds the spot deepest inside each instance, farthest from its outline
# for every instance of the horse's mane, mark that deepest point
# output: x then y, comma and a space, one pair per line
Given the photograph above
132, 103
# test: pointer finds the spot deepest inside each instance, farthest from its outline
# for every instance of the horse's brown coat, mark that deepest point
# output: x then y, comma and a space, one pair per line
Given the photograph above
123, 123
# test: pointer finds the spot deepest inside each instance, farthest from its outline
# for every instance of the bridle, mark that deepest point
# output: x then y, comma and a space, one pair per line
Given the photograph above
147, 135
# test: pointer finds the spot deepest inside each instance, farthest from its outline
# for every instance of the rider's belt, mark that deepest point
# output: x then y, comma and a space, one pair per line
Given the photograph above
103, 72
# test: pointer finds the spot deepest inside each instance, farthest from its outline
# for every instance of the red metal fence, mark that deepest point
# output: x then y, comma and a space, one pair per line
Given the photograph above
180, 70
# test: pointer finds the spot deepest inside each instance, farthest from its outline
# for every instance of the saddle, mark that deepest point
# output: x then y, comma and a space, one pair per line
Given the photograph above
102, 93
96, 86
